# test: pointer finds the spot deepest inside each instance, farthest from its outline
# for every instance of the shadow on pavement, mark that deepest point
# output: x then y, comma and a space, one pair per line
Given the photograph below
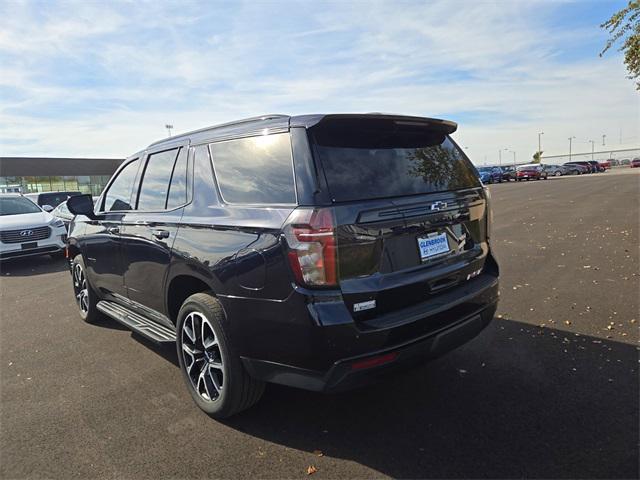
29, 266
518, 401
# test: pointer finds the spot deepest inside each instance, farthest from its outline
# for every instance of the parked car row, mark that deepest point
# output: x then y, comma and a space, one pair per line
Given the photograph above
541, 171
623, 162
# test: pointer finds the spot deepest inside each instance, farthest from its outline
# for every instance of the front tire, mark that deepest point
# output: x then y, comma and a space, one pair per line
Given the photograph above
212, 369
86, 298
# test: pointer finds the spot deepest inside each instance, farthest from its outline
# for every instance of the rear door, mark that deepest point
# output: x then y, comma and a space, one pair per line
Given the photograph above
409, 209
149, 230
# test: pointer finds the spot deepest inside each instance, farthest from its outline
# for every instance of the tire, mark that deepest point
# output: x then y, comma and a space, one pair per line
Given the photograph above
86, 298
213, 373
558, 174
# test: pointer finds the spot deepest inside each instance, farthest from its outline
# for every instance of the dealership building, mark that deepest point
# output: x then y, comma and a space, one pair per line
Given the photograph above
45, 174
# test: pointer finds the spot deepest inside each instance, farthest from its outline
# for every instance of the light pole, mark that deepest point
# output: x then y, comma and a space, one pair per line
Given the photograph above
500, 155
168, 127
514, 157
603, 137
570, 140
539, 143
592, 147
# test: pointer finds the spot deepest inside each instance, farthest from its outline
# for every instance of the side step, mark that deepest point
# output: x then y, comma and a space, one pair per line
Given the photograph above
139, 324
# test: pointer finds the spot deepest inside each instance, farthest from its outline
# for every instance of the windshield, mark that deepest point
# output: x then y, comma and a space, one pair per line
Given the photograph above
62, 208
372, 159
17, 206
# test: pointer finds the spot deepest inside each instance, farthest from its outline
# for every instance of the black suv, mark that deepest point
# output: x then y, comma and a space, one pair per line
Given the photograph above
315, 251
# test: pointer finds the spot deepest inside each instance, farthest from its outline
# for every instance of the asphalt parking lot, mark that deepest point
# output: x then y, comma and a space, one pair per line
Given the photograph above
550, 389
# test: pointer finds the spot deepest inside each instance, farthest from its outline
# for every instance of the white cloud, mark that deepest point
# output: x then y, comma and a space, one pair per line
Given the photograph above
100, 79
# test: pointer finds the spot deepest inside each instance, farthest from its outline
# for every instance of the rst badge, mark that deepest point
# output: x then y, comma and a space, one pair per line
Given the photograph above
358, 307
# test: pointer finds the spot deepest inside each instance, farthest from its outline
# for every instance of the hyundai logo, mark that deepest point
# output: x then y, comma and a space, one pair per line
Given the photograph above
26, 233
438, 206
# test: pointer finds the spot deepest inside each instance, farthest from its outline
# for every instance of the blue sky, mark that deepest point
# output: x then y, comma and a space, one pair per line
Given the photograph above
103, 78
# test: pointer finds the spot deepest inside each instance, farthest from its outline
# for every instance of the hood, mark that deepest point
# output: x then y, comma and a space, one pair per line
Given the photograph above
25, 220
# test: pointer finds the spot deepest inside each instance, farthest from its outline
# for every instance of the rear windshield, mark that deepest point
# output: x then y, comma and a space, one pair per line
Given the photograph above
367, 159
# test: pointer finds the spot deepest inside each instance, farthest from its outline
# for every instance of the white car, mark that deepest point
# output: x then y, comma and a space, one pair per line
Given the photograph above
26, 229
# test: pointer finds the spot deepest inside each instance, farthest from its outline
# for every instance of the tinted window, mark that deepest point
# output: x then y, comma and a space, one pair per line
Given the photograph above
372, 159
118, 197
256, 170
55, 199
155, 182
178, 187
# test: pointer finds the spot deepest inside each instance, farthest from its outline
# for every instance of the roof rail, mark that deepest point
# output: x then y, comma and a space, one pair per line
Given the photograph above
221, 125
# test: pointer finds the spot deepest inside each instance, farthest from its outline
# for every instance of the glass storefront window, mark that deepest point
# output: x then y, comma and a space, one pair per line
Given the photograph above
83, 183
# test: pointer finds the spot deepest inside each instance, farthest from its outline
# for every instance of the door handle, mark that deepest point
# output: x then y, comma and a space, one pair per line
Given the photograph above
160, 234
113, 230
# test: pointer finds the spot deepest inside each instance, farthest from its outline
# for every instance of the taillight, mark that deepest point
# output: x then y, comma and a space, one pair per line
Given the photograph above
311, 238
489, 212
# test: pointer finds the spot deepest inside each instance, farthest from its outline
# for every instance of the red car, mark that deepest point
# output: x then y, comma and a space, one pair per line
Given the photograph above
530, 172
605, 165
635, 163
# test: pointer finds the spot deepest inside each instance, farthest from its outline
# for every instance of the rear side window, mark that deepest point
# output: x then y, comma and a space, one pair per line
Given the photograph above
255, 170
118, 197
368, 159
155, 182
178, 188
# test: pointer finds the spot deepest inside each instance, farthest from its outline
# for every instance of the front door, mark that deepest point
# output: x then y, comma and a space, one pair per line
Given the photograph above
102, 244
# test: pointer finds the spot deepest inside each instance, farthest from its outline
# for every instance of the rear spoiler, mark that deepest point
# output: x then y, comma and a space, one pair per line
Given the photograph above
445, 126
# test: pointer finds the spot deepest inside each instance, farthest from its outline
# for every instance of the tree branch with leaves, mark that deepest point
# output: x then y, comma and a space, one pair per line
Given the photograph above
625, 26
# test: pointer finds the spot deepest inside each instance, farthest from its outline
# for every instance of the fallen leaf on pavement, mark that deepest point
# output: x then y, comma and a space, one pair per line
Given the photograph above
311, 470
318, 453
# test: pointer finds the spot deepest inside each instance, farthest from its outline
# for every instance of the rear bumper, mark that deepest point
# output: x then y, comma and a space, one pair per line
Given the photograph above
349, 372
311, 340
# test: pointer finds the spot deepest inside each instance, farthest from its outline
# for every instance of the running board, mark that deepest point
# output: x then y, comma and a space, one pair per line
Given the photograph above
136, 322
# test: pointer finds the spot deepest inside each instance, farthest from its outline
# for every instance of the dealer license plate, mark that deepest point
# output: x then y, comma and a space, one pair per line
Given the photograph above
433, 245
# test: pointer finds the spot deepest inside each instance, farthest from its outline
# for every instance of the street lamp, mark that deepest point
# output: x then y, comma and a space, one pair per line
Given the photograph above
514, 157
500, 155
168, 127
592, 147
603, 137
570, 140
539, 143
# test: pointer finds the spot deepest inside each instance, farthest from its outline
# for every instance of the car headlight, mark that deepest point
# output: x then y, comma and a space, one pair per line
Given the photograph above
57, 223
